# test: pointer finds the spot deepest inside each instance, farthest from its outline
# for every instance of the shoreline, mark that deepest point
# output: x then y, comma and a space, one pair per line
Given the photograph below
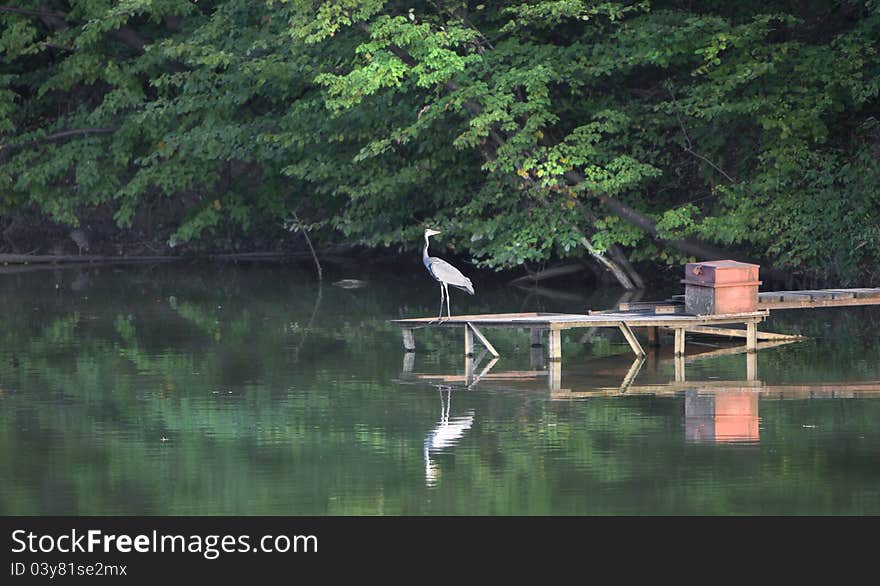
55, 259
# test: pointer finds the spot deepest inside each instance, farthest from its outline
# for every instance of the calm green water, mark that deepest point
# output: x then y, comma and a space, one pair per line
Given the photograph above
250, 390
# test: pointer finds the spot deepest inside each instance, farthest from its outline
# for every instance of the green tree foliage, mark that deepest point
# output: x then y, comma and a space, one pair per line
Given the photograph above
526, 129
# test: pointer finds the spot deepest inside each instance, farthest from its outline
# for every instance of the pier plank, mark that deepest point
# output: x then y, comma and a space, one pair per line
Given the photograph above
734, 333
649, 305
818, 298
563, 321
793, 301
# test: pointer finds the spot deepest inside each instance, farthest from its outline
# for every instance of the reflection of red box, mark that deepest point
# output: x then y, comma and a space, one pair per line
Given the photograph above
720, 286
736, 416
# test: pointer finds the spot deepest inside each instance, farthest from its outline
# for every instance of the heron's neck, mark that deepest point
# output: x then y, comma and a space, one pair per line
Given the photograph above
425, 251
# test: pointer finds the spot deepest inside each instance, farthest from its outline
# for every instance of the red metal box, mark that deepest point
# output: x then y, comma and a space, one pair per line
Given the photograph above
720, 287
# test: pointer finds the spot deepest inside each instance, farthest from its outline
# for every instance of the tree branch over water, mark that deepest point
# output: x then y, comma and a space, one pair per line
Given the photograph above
58, 136
305, 234
57, 20
32, 12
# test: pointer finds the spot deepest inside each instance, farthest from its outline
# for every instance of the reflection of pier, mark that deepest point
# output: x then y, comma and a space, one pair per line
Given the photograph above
781, 391
715, 411
602, 385
728, 411
731, 416
551, 370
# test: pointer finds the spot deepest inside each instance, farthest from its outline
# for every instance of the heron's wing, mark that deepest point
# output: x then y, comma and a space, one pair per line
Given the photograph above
445, 272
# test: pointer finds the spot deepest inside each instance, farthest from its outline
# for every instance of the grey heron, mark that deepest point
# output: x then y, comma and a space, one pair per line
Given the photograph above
81, 238
445, 274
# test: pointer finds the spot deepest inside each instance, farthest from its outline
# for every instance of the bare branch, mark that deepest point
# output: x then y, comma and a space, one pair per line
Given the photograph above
31, 12
309, 242
689, 146
711, 164
124, 34
58, 136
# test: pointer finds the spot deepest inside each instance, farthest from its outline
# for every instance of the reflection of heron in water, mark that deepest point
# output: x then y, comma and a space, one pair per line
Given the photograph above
445, 434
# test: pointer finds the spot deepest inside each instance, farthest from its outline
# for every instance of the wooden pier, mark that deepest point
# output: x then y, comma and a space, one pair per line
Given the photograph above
555, 323
652, 317
818, 298
769, 300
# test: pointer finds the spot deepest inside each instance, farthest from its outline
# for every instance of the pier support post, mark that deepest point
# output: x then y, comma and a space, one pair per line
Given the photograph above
536, 358
751, 366
468, 341
679, 341
536, 348
633, 341
555, 346
653, 336
483, 340
679, 368
554, 376
536, 337
653, 359
751, 337
409, 343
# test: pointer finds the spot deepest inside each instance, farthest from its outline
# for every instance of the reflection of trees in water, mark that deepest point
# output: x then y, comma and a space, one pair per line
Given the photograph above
130, 365
91, 385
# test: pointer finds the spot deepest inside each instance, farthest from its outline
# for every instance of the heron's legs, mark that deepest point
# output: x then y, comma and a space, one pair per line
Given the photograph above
440, 316
448, 312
